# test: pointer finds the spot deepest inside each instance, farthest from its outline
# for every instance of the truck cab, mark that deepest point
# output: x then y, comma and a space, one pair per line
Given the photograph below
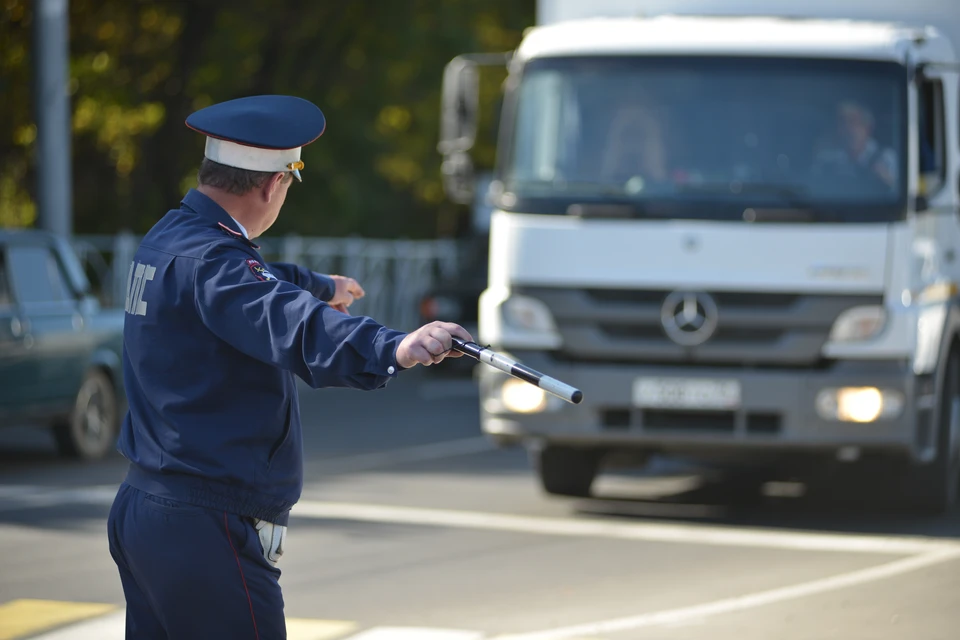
737, 234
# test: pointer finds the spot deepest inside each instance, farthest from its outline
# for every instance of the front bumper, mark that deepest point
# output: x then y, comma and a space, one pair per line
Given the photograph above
777, 410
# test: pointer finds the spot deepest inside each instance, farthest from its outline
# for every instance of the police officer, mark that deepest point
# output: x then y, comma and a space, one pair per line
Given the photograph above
213, 340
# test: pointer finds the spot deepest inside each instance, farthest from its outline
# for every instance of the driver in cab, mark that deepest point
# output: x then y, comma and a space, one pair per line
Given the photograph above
858, 154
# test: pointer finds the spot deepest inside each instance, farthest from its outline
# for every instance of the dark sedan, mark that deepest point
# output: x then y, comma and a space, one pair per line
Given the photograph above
60, 351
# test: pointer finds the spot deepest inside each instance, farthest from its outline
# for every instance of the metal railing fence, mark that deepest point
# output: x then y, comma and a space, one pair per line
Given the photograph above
395, 274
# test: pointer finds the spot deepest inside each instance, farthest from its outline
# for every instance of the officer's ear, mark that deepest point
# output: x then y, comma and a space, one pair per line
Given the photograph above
271, 187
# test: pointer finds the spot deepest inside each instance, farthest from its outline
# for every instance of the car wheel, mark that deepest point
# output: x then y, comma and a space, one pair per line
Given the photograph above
934, 488
567, 472
91, 431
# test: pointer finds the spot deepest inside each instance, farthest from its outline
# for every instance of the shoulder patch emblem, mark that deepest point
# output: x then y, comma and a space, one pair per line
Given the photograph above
260, 271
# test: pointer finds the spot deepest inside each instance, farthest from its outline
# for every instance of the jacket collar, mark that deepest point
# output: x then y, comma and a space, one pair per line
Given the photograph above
207, 208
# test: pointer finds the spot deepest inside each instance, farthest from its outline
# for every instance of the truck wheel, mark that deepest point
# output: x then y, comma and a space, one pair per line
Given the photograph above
91, 431
567, 472
934, 487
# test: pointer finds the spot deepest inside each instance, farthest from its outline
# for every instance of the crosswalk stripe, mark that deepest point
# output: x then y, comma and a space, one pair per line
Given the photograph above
108, 627
415, 633
111, 627
20, 618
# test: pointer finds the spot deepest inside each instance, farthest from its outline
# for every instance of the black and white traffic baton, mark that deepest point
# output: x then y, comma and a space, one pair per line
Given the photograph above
509, 365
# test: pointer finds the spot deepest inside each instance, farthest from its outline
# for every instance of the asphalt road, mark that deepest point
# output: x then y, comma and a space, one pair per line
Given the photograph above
413, 527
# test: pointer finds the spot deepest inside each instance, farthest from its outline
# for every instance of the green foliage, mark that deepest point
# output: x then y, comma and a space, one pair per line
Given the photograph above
17, 131
139, 68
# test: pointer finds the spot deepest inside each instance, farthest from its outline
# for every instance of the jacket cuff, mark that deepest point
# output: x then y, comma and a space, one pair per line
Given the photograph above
387, 344
324, 287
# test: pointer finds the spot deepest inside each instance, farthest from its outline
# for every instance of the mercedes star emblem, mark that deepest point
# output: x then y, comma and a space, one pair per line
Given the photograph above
688, 317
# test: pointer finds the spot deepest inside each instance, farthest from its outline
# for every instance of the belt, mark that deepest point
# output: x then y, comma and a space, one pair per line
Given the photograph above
272, 537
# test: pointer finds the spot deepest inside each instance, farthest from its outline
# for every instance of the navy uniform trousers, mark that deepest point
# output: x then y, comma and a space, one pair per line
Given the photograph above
189, 572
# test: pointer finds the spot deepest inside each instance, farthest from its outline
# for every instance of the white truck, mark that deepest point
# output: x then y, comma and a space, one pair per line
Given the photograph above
735, 226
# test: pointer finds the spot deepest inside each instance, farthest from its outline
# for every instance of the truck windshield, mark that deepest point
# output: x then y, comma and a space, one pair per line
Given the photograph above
721, 138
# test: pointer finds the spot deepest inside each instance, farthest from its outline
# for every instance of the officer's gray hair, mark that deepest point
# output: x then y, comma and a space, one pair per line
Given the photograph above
232, 180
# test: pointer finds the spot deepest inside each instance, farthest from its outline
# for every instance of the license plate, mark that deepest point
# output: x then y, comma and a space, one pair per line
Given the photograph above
686, 393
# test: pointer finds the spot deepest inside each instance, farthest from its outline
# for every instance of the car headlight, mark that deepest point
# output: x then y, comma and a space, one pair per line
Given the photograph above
858, 323
528, 314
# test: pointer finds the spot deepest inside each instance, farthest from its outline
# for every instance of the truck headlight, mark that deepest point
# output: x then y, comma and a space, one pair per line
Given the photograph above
528, 314
858, 404
513, 321
522, 397
858, 323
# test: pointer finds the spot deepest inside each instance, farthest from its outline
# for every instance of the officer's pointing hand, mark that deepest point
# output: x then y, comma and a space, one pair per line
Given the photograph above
347, 290
430, 344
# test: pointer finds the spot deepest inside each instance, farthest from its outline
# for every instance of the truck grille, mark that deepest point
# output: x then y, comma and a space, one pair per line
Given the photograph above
753, 329
756, 423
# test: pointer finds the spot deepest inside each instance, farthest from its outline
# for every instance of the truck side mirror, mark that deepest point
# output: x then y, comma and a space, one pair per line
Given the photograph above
459, 121
459, 108
457, 175
459, 115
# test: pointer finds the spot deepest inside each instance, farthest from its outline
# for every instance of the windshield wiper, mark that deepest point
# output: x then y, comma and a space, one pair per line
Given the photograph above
785, 214
604, 210
583, 187
798, 207
793, 193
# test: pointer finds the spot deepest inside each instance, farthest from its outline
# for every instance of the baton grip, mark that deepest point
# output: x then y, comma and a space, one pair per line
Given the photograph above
510, 366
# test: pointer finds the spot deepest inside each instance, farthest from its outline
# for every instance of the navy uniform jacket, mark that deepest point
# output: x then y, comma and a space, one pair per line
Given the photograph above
212, 341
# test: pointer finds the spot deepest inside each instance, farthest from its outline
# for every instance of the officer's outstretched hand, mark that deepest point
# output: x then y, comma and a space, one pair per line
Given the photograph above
347, 290
430, 344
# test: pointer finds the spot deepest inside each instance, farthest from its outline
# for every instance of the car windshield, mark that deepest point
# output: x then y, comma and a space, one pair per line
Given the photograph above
710, 137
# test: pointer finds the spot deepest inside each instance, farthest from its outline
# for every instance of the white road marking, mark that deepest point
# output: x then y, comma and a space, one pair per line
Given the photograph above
412, 633
647, 531
712, 535
406, 455
31, 496
741, 603
926, 552
111, 626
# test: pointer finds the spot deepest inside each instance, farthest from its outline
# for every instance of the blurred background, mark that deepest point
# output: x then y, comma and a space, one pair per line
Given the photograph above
769, 444
135, 70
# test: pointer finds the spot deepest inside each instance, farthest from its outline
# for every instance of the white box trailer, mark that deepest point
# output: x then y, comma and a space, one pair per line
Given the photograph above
736, 227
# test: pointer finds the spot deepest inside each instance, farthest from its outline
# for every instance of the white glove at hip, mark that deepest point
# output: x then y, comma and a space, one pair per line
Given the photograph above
272, 537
